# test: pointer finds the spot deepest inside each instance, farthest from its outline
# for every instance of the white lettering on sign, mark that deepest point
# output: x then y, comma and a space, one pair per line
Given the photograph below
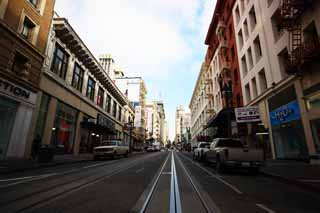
16, 91
247, 114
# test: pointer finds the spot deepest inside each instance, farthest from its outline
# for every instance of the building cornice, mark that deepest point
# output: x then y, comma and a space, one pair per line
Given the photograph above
67, 35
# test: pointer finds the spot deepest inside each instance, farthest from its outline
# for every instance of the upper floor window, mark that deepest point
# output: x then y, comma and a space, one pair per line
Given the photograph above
20, 63
33, 2
120, 113
77, 79
91, 88
108, 104
60, 62
100, 97
114, 113
27, 28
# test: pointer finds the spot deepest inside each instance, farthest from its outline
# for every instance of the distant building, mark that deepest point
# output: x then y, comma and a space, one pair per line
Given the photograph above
183, 122
135, 90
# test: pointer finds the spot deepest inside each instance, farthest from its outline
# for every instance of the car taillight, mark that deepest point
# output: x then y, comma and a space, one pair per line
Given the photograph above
226, 152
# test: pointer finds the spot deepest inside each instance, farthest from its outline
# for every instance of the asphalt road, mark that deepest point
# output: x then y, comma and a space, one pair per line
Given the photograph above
152, 182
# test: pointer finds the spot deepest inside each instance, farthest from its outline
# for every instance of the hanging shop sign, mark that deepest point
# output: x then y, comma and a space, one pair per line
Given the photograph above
17, 92
247, 114
104, 121
285, 113
137, 118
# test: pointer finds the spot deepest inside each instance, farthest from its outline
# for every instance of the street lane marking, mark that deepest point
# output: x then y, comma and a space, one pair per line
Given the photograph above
175, 201
147, 200
265, 208
28, 180
139, 170
310, 180
234, 188
20, 178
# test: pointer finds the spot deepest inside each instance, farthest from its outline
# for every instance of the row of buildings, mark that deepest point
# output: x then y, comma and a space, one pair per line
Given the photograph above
54, 90
182, 125
262, 63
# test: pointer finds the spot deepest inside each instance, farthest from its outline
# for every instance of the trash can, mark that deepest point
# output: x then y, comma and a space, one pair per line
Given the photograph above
46, 153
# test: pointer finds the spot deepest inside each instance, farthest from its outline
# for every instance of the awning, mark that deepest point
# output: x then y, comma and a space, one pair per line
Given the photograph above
221, 118
92, 126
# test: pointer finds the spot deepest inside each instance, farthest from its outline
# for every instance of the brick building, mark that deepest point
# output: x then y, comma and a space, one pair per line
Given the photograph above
223, 70
24, 30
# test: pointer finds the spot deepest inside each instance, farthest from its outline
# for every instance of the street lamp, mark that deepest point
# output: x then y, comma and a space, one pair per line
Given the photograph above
226, 90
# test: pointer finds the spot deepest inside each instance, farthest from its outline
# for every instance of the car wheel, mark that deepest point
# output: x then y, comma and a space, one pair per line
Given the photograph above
96, 158
126, 154
254, 170
114, 154
219, 166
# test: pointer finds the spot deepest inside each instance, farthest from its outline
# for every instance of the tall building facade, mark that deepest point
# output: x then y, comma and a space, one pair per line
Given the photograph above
278, 47
135, 90
223, 85
182, 124
155, 121
24, 31
79, 106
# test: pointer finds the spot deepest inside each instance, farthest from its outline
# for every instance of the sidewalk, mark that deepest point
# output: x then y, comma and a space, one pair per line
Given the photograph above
19, 165
298, 173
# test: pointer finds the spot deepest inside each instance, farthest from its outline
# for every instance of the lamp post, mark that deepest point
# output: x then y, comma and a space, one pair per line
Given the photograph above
226, 90
129, 126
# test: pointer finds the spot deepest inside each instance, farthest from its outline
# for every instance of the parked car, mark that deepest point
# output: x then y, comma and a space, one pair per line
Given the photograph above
151, 149
199, 152
111, 148
228, 152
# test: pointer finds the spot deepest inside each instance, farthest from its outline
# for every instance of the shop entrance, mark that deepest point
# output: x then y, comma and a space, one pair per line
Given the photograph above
8, 110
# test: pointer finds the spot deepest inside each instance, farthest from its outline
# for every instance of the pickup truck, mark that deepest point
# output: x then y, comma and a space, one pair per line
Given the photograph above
199, 152
227, 152
111, 148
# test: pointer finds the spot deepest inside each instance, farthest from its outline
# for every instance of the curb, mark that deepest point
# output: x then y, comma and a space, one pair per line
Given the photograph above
291, 181
54, 164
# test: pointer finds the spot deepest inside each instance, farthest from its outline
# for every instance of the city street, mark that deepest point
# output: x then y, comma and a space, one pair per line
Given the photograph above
152, 182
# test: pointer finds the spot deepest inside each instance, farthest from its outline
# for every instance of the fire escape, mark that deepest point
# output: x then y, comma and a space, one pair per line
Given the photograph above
290, 12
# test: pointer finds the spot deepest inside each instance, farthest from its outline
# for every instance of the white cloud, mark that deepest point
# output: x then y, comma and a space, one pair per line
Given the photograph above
149, 38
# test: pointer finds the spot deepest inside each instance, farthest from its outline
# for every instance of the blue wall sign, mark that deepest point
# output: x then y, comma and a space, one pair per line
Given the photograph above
285, 113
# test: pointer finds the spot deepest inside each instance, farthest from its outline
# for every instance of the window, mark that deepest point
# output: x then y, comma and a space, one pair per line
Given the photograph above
119, 113
240, 39
248, 94
77, 79
233, 53
114, 113
27, 28
100, 97
20, 63
244, 66
262, 81
254, 88
252, 18
277, 30
33, 2
246, 31
257, 48
60, 62
108, 104
250, 58
91, 88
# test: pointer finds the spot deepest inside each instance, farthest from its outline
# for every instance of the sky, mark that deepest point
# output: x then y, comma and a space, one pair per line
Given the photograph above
159, 40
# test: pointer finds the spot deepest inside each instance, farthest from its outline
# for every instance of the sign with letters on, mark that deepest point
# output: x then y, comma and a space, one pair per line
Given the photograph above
247, 114
18, 92
285, 113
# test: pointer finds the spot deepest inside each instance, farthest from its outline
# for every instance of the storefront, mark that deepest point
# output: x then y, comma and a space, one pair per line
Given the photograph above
63, 131
16, 108
286, 126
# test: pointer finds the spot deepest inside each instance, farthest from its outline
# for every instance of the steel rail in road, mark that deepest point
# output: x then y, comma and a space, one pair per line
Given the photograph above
175, 201
52, 196
202, 199
153, 187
